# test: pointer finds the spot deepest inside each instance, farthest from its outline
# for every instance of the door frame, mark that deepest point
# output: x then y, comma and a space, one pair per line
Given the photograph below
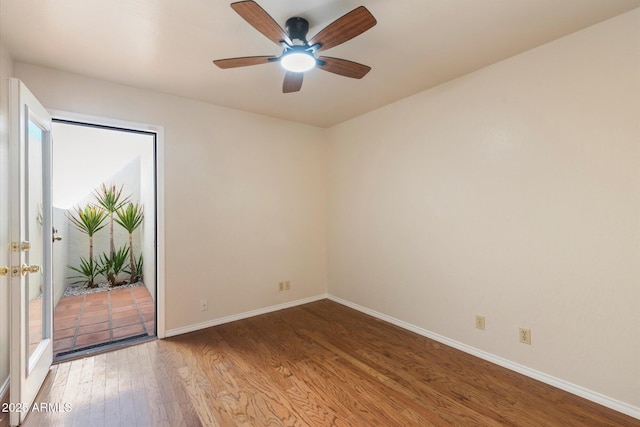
159, 171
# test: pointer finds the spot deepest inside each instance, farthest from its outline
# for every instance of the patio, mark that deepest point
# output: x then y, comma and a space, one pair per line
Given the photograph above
103, 317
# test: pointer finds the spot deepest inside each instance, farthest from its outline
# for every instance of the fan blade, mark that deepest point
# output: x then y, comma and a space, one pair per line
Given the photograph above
243, 61
259, 19
343, 67
344, 28
292, 82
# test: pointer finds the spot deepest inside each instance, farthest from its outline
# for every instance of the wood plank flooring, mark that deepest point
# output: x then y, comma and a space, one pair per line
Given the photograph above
320, 364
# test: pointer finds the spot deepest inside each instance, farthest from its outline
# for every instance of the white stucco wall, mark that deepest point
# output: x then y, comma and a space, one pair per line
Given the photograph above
60, 255
148, 228
77, 242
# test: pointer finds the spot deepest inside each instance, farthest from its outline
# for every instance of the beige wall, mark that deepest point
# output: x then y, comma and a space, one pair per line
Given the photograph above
513, 193
245, 195
6, 71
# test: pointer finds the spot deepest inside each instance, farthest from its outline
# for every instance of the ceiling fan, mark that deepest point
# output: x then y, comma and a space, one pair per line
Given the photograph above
298, 55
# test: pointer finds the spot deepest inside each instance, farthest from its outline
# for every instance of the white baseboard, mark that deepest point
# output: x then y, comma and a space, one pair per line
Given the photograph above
245, 315
593, 396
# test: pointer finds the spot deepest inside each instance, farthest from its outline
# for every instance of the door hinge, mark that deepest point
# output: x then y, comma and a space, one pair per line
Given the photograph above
17, 246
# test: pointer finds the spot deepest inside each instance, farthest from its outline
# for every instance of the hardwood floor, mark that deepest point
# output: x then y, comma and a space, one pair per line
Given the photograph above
320, 364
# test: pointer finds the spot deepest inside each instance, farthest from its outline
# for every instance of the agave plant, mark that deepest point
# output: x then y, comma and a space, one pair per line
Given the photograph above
88, 220
88, 271
110, 199
130, 217
139, 269
113, 266
137, 272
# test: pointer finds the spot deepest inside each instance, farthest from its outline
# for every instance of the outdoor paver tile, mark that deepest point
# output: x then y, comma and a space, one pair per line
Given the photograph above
121, 294
131, 320
85, 320
65, 333
128, 331
73, 308
95, 307
88, 312
66, 324
93, 338
89, 302
90, 320
62, 344
121, 304
123, 308
60, 317
74, 300
123, 314
96, 327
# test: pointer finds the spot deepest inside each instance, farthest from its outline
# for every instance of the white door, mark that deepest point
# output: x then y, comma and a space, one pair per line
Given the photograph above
31, 248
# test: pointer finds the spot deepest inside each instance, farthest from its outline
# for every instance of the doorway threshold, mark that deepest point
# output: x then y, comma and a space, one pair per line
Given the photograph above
102, 348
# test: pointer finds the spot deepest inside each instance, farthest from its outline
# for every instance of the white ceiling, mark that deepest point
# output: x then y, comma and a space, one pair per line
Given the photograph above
168, 46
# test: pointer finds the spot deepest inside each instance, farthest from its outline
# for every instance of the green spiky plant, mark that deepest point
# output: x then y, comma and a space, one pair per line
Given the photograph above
139, 265
111, 199
113, 266
130, 217
137, 273
88, 271
89, 220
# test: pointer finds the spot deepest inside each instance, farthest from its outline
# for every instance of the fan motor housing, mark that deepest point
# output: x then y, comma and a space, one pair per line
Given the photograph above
297, 28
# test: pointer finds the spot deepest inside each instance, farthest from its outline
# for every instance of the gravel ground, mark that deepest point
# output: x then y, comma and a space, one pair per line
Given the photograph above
73, 290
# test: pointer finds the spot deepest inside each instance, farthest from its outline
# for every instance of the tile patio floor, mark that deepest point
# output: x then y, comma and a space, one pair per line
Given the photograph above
102, 317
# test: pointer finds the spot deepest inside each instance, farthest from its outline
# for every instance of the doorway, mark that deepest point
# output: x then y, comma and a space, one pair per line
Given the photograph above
104, 233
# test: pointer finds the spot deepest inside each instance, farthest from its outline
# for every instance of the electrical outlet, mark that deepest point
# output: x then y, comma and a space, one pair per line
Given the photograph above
204, 305
480, 322
284, 286
525, 336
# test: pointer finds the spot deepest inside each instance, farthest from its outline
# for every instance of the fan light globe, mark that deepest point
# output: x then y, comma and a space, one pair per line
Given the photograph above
298, 62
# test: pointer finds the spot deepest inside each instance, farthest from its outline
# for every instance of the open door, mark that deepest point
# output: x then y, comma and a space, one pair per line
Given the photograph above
31, 248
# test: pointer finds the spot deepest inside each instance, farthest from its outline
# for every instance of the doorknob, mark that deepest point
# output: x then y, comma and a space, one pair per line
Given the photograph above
56, 238
4, 271
30, 269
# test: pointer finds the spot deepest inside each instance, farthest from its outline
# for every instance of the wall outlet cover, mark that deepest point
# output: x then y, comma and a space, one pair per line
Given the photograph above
480, 324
